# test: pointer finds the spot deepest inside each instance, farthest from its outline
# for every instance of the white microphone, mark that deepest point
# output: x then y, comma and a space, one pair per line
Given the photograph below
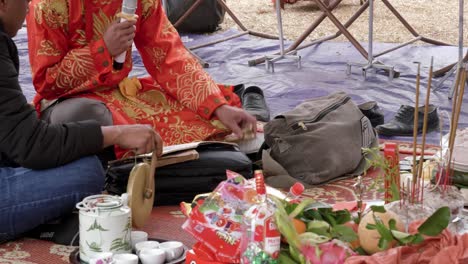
128, 8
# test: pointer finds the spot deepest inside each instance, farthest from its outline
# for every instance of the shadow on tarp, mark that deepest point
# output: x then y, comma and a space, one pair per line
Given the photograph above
323, 71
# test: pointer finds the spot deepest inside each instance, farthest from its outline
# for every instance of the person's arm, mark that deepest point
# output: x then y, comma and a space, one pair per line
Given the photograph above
29, 141
172, 66
59, 70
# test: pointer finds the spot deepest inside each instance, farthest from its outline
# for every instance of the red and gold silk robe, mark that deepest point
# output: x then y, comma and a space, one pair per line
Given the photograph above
70, 59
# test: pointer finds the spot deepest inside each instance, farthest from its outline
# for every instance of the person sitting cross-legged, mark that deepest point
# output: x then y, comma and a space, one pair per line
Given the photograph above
73, 44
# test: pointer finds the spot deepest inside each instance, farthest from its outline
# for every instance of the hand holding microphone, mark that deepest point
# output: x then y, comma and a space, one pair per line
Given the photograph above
119, 36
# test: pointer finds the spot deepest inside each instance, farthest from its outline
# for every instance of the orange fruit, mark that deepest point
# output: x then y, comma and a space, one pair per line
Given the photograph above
299, 226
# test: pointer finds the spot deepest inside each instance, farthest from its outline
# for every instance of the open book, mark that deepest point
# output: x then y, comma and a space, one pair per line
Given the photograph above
180, 153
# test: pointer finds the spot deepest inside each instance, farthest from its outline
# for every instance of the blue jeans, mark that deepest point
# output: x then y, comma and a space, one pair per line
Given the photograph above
29, 198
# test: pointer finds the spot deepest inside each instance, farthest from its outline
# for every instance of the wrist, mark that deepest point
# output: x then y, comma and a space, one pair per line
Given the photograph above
110, 135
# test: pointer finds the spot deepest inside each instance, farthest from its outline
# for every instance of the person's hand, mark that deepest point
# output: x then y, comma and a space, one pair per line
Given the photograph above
119, 37
236, 119
142, 138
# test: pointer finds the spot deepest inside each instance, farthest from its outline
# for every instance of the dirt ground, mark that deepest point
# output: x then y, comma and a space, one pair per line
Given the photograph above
437, 19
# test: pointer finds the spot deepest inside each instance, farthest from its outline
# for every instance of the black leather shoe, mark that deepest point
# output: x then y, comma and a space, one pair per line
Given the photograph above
403, 123
254, 103
373, 112
239, 90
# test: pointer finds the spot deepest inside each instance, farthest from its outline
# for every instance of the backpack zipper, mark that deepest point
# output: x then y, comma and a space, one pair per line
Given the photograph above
322, 114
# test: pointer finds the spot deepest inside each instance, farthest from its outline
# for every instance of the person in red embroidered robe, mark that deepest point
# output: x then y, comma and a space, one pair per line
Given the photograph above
71, 46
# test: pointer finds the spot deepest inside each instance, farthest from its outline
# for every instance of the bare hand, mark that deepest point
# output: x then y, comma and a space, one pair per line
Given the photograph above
142, 138
119, 37
236, 119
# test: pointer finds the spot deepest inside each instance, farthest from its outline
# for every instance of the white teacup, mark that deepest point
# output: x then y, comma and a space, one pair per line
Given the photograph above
173, 249
125, 258
101, 258
146, 245
138, 236
152, 256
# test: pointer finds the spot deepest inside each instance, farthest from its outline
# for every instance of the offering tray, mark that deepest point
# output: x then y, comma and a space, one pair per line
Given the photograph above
75, 255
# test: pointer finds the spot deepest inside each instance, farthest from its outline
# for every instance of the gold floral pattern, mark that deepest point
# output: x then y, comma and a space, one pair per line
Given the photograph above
75, 68
48, 49
148, 7
53, 12
158, 55
80, 38
167, 29
193, 85
100, 23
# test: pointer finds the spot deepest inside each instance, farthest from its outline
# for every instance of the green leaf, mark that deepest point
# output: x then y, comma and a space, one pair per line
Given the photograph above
392, 224
312, 214
383, 243
394, 191
371, 227
436, 223
345, 233
361, 251
378, 209
417, 238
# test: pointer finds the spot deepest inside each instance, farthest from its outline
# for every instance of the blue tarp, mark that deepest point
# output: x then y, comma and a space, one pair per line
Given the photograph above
323, 72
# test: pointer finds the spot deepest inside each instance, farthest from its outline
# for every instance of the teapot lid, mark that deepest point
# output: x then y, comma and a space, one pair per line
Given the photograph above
101, 203
140, 190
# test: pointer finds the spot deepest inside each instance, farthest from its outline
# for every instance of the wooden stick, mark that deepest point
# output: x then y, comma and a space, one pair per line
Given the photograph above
415, 130
424, 131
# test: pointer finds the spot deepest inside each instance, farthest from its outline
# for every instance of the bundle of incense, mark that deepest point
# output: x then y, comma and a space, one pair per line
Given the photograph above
456, 108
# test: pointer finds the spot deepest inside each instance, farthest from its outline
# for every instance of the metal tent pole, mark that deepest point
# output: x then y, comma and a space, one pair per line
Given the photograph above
458, 67
371, 65
271, 59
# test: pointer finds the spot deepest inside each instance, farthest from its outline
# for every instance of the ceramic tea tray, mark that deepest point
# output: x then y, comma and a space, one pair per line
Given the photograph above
75, 255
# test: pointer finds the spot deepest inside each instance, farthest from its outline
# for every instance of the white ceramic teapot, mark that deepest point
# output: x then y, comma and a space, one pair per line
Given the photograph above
105, 226
106, 221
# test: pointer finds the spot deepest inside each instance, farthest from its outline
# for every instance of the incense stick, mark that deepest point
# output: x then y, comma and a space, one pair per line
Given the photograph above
424, 132
415, 129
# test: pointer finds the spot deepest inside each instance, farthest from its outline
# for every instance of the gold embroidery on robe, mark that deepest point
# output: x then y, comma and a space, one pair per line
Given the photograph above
53, 12
193, 85
48, 49
168, 29
81, 37
148, 6
158, 56
100, 24
76, 67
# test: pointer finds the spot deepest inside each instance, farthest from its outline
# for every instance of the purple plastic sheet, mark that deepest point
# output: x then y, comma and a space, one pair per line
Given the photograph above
323, 72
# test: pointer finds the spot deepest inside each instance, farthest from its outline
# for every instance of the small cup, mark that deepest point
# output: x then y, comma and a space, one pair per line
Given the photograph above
173, 249
125, 258
138, 236
152, 256
101, 258
146, 245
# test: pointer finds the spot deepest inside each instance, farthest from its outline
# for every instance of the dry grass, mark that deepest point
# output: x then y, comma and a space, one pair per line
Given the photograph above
436, 19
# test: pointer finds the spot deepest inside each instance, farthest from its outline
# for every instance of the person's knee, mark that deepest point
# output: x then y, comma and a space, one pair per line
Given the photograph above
79, 109
91, 177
